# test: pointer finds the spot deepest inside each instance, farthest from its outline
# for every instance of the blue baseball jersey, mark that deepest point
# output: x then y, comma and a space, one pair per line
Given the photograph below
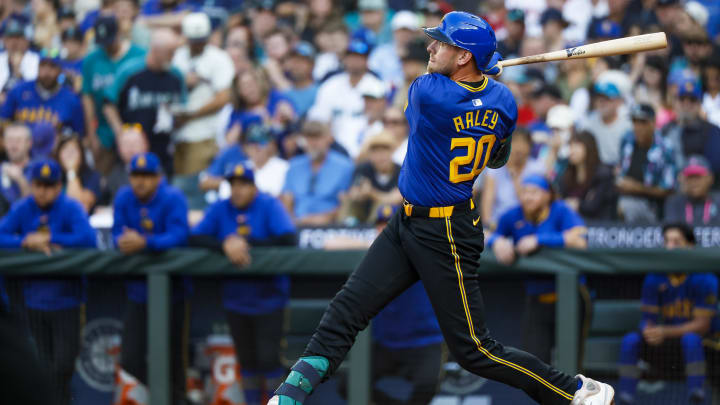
69, 227
265, 217
162, 221
407, 321
62, 109
454, 129
673, 299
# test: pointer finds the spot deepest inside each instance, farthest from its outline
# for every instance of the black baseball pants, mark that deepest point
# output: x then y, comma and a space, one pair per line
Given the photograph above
443, 253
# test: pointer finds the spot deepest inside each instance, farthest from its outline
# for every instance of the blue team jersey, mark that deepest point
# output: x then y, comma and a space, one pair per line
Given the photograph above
407, 321
454, 129
61, 109
265, 217
69, 227
162, 221
675, 299
559, 218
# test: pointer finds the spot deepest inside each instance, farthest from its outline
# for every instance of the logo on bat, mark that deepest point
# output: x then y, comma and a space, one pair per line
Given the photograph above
574, 51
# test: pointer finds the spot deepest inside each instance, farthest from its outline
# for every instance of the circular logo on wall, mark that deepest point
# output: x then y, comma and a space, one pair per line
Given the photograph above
99, 353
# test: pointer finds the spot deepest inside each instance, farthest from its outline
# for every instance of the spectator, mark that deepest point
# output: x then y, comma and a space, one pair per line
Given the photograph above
73, 50
374, 29
585, 183
539, 222
652, 88
375, 182
414, 64
647, 169
339, 101
316, 180
277, 44
677, 311
553, 23
165, 13
255, 306
386, 59
501, 187
17, 62
270, 170
697, 48
99, 69
144, 92
46, 221
375, 96
299, 67
238, 44
515, 27
81, 183
321, 12
208, 73
690, 134
132, 141
130, 27
395, 123
44, 100
696, 205
407, 342
46, 31
332, 42
17, 141
255, 102
543, 99
711, 98
608, 122
150, 216
560, 120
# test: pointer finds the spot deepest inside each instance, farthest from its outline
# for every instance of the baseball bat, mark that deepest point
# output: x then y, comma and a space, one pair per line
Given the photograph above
620, 46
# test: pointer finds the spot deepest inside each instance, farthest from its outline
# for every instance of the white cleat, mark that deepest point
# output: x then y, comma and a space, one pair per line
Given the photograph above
593, 393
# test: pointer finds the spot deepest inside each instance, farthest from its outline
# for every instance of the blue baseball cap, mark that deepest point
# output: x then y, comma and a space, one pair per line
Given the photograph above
51, 57
690, 88
146, 163
45, 171
359, 47
385, 212
106, 30
607, 89
607, 29
536, 180
304, 49
240, 170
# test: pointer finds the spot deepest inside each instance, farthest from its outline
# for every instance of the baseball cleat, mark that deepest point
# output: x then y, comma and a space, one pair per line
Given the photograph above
593, 393
304, 376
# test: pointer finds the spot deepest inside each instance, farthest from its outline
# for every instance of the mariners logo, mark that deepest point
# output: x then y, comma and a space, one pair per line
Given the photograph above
100, 349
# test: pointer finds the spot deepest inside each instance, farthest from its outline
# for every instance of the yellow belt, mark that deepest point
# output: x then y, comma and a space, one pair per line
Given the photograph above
435, 212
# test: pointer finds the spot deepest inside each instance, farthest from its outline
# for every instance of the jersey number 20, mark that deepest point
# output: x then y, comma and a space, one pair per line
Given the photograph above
479, 151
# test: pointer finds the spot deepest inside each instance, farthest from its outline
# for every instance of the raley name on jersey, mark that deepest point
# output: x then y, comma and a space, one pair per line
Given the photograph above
138, 99
478, 118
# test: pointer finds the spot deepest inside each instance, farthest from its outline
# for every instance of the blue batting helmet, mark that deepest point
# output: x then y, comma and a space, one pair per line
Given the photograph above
466, 31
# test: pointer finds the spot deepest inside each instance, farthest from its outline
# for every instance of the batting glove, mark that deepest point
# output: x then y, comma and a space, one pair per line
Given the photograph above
493, 68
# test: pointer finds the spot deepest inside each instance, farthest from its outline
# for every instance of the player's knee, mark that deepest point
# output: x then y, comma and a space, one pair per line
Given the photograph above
691, 340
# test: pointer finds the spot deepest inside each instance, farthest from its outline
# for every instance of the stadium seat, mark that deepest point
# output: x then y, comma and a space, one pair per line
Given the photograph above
612, 319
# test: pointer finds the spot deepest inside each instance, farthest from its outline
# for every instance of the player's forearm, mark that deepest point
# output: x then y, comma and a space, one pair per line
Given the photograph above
699, 325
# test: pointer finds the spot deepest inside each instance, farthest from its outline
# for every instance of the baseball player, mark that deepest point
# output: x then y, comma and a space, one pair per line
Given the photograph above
460, 121
678, 311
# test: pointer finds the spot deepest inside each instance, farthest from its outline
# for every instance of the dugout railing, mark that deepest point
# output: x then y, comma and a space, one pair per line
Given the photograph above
565, 265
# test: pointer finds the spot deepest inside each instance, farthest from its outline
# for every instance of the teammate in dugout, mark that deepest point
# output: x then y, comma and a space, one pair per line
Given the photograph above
151, 216
45, 221
460, 121
678, 310
255, 306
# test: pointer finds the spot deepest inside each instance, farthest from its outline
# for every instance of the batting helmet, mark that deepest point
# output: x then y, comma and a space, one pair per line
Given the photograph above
466, 31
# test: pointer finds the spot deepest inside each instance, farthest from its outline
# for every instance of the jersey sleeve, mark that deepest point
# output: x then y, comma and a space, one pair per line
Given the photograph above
10, 105
10, 227
569, 218
501, 153
280, 222
705, 290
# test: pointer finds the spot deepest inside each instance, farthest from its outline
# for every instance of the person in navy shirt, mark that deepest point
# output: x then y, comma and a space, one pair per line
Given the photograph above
255, 306
46, 221
45, 100
316, 180
539, 222
677, 313
150, 216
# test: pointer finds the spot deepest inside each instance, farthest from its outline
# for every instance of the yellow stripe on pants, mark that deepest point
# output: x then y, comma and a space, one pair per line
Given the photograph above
448, 227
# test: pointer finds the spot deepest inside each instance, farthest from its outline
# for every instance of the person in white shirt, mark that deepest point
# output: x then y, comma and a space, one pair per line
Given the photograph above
17, 61
711, 98
385, 60
208, 72
609, 122
339, 101
374, 95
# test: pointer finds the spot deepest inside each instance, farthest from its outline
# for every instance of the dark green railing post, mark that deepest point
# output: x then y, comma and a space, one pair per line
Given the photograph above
159, 338
359, 381
567, 322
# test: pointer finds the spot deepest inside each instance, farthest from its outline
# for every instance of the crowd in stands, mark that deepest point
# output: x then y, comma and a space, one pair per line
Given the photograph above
312, 94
